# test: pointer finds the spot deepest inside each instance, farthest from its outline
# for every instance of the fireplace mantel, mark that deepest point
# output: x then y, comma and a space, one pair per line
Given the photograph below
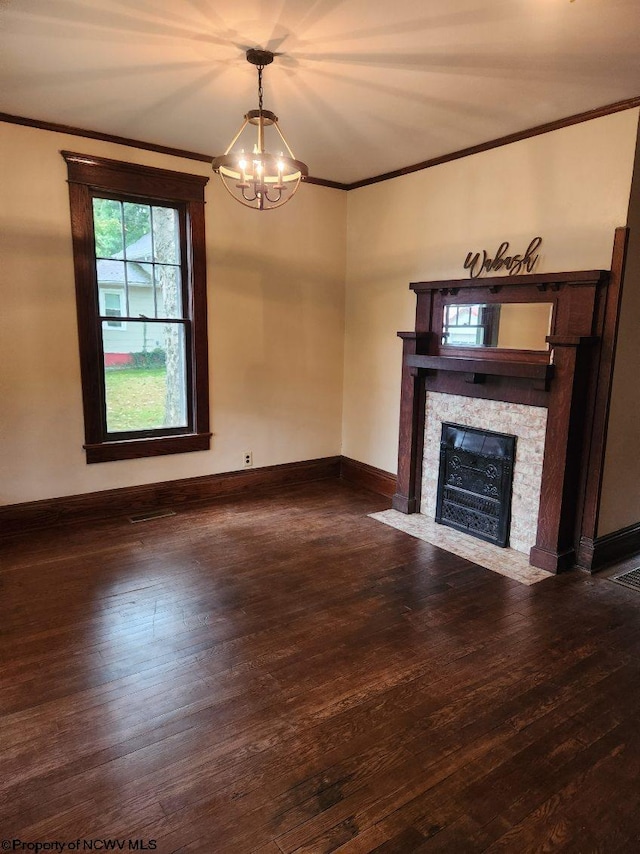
571, 379
477, 369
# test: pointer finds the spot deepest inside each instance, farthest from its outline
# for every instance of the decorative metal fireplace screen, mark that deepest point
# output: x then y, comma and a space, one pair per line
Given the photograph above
475, 480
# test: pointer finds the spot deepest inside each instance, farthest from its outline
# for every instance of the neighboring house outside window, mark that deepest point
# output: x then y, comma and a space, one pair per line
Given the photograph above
111, 306
138, 236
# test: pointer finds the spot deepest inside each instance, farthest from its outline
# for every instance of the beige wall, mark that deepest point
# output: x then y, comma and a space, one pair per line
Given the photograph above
276, 327
277, 302
570, 186
620, 503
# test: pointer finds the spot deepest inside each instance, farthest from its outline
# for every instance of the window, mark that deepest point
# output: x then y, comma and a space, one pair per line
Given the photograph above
111, 306
139, 254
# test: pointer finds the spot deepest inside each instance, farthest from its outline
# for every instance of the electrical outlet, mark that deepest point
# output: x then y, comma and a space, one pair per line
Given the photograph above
248, 459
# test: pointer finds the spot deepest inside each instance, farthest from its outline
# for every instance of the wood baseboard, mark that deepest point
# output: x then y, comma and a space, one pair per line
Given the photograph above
367, 477
592, 555
612, 548
72, 509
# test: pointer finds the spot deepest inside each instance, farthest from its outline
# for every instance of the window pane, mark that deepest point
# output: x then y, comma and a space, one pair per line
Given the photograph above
168, 291
111, 274
137, 226
133, 281
145, 377
113, 308
107, 227
166, 236
168, 288
111, 291
140, 278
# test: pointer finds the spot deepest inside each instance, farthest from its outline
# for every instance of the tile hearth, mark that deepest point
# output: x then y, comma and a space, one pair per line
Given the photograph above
509, 562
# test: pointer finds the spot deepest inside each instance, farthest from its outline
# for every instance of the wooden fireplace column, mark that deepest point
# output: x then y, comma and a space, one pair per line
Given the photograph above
562, 379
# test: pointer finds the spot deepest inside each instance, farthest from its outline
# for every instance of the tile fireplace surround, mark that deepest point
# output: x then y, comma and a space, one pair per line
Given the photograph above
527, 423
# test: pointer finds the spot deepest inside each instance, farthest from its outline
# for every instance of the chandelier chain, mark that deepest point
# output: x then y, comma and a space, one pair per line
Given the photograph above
260, 67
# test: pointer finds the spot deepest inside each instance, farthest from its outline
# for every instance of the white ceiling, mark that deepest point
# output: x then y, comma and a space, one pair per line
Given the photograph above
361, 87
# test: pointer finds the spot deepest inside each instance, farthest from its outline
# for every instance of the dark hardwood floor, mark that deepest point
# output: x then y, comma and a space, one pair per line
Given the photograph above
279, 673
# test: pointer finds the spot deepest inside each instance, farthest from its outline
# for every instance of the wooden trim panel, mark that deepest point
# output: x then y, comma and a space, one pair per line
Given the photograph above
601, 390
104, 173
367, 477
406, 499
483, 366
598, 553
564, 441
72, 509
133, 449
56, 127
499, 285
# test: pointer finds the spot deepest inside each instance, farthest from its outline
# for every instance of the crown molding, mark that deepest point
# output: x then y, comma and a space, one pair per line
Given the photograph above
558, 124
578, 118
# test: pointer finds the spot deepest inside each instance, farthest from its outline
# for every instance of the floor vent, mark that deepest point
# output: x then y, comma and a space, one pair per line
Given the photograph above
151, 514
629, 579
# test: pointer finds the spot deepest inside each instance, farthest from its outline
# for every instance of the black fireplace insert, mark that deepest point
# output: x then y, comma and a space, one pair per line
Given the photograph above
475, 482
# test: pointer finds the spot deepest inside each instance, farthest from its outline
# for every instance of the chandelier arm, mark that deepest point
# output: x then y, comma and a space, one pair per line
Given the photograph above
277, 127
284, 199
249, 198
229, 190
268, 197
233, 141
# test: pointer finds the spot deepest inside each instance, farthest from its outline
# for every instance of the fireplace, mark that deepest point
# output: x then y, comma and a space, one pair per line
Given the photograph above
562, 390
527, 423
475, 482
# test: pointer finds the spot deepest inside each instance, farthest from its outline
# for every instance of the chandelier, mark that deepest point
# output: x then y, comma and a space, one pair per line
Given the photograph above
253, 176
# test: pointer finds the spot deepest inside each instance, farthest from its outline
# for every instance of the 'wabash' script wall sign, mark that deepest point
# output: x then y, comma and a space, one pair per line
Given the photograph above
477, 264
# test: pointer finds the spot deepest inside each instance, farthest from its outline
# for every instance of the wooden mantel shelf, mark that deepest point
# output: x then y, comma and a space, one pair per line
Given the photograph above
540, 373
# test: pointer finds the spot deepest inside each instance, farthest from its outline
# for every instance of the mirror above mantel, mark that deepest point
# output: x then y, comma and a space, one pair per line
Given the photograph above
505, 326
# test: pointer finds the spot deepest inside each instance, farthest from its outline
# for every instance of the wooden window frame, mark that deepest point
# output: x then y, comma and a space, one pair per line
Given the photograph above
89, 176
